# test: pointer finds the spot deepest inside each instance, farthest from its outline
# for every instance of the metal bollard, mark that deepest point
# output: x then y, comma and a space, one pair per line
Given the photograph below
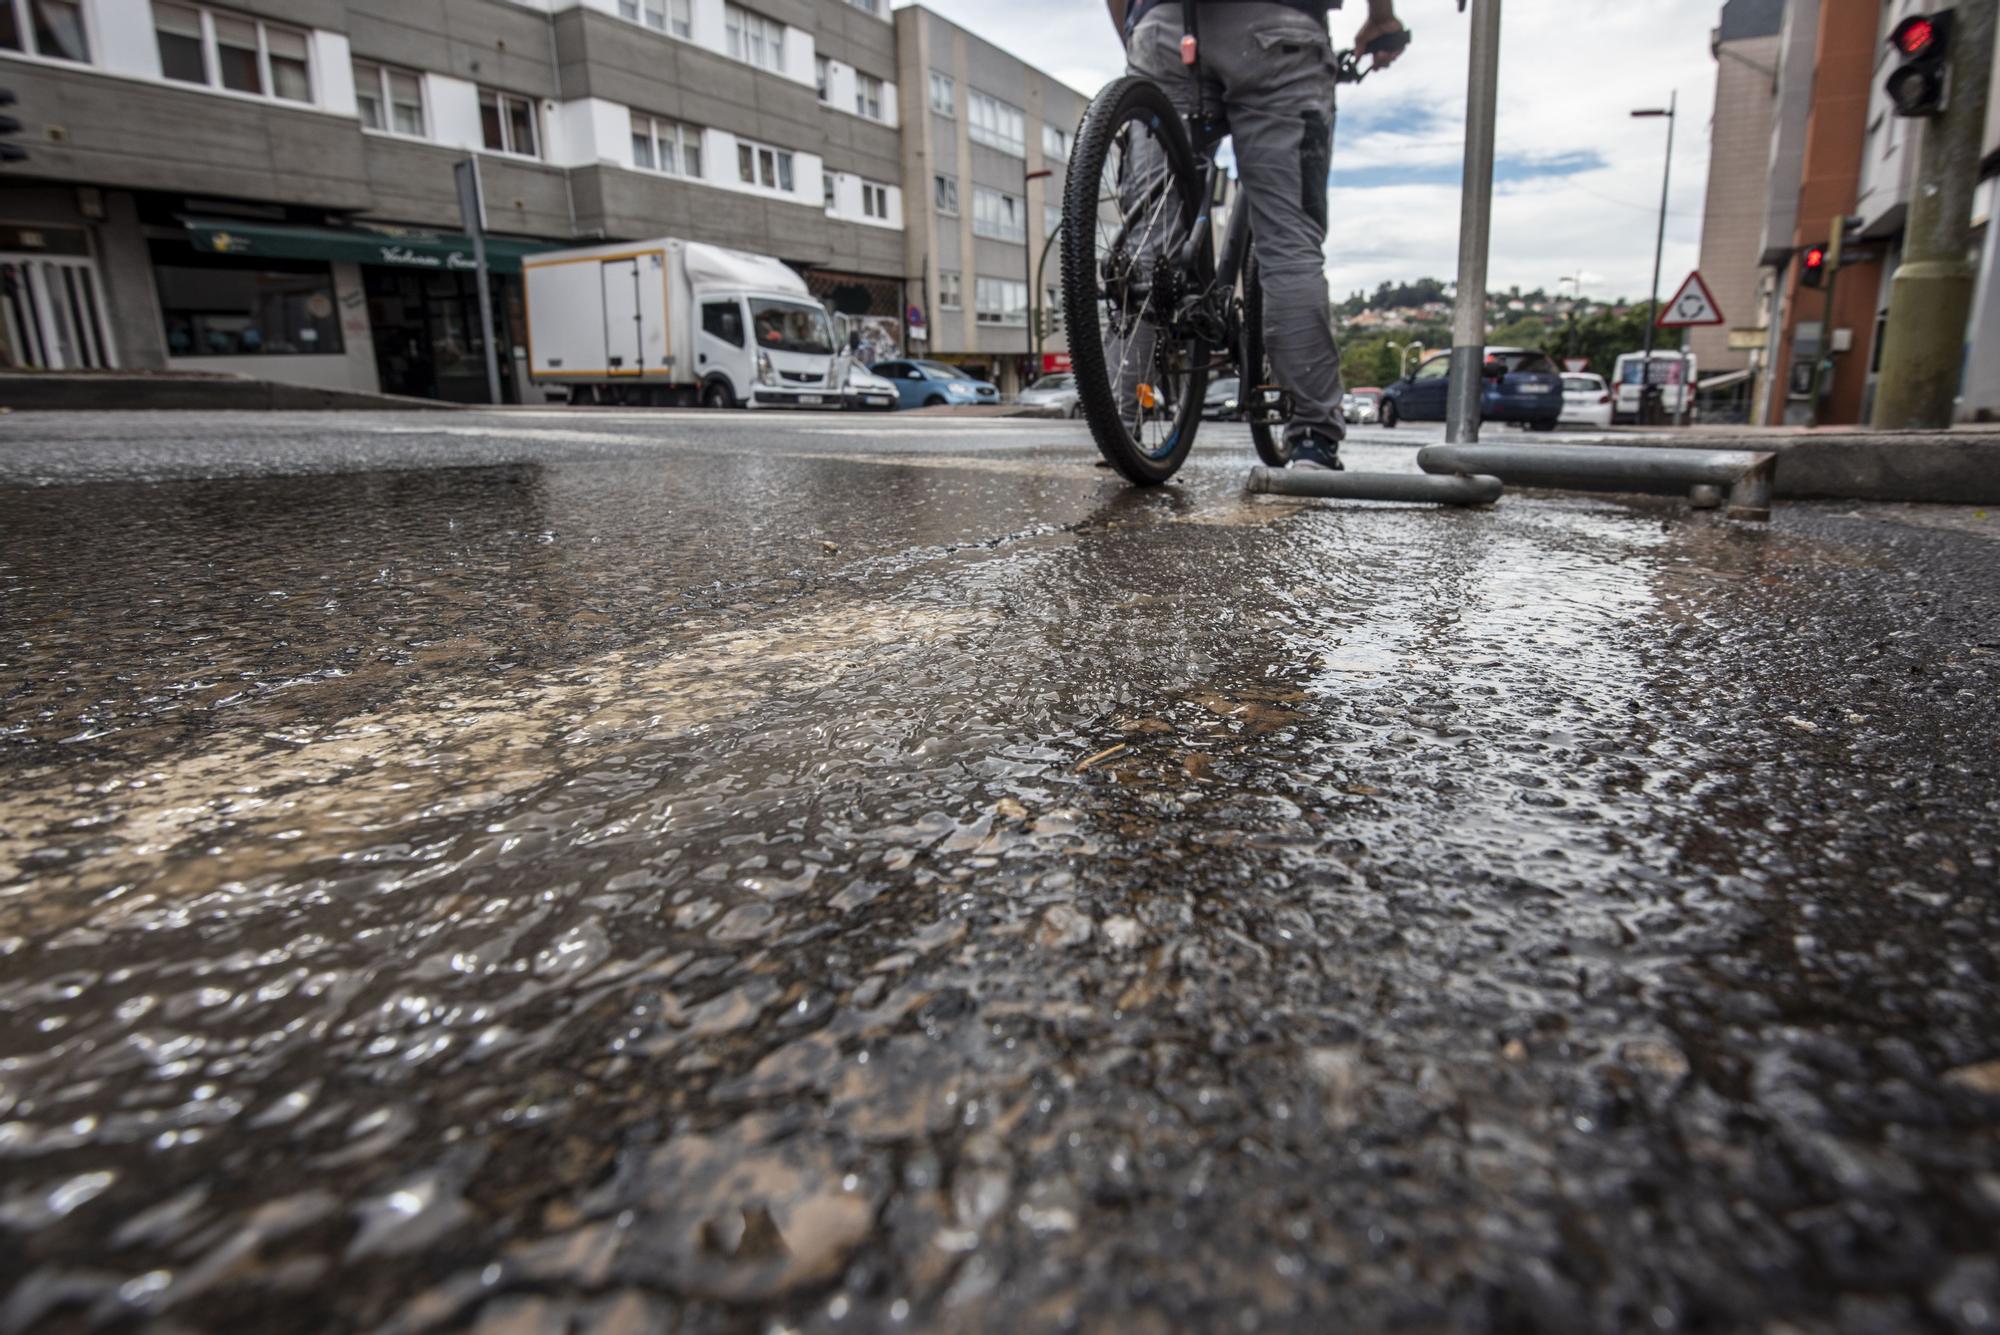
1747, 473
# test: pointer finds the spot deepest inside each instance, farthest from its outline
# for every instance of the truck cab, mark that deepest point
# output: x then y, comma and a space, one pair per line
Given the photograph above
765, 349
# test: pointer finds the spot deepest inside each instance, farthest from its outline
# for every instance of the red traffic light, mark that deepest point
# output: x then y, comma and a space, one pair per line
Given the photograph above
1815, 257
1914, 35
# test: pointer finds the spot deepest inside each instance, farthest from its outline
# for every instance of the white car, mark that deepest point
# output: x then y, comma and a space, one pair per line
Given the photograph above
1054, 395
864, 389
1586, 400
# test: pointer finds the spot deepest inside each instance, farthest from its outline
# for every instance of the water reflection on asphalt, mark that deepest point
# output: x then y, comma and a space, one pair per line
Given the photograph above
795, 891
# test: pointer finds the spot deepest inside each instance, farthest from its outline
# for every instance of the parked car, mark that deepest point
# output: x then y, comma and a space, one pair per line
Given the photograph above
1586, 399
1517, 385
1367, 404
922, 384
1053, 394
864, 389
1218, 401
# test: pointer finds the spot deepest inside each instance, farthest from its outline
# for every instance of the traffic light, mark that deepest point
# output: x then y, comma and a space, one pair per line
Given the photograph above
1917, 87
1812, 266
10, 125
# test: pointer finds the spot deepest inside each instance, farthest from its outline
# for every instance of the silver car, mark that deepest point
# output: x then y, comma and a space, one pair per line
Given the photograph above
1052, 395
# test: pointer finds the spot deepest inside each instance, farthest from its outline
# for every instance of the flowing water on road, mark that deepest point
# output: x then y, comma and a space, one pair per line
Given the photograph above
802, 890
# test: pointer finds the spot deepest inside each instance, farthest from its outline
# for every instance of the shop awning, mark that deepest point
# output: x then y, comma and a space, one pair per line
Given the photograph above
403, 249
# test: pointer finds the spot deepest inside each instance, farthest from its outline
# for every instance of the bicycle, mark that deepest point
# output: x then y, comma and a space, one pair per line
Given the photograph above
1138, 264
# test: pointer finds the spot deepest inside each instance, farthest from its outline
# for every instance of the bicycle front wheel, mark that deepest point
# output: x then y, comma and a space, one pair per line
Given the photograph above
1129, 205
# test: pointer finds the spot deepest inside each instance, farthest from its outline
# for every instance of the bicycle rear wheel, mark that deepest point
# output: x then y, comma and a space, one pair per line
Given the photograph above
1131, 199
1264, 405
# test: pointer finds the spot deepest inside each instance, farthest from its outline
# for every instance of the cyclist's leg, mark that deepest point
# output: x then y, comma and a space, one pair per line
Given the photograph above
1154, 52
1277, 68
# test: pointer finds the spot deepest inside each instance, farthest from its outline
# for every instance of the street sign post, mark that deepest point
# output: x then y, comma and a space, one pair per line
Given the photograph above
1692, 305
472, 209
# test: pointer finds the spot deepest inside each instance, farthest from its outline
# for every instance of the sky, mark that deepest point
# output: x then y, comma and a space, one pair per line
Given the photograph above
1576, 181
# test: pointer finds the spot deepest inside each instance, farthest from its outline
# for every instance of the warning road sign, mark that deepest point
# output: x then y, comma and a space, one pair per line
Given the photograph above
1692, 305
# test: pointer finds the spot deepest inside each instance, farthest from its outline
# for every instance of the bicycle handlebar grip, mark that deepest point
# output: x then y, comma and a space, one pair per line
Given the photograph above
1388, 44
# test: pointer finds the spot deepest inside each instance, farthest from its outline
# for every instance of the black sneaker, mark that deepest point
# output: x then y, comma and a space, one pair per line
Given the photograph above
1317, 451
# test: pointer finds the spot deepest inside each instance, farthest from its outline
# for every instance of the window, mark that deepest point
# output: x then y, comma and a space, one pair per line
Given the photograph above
52, 28
823, 73
868, 96
722, 319
391, 100
1437, 368
221, 50
875, 200
995, 123
826, 187
944, 194
234, 306
1055, 143
944, 94
869, 6
1000, 301
770, 168
674, 16
997, 215
950, 296
754, 39
665, 146
509, 123
1051, 219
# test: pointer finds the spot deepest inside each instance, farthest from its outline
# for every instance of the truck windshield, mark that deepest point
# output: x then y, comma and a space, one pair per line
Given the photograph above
788, 326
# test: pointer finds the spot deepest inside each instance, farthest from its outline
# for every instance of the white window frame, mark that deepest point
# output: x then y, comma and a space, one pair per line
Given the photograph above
868, 6
829, 191
823, 76
24, 26
987, 310
992, 211
1057, 144
951, 290
211, 63
742, 27
942, 83
382, 73
676, 17
945, 185
880, 193
862, 101
657, 130
997, 124
783, 162
507, 124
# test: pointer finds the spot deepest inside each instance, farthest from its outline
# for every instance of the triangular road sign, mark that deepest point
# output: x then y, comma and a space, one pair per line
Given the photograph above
1693, 304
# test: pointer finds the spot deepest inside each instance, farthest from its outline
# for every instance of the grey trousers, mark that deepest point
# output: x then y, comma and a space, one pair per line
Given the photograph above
1269, 69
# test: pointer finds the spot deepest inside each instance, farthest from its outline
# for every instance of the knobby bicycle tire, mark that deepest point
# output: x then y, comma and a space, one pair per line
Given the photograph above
1137, 100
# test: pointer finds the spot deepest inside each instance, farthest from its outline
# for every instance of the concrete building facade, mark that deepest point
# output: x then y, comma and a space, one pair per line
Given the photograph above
978, 126
1745, 44
267, 186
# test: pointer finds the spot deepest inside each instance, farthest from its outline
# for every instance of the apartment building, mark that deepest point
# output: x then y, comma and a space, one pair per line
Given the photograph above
1745, 44
266, 186
979, 128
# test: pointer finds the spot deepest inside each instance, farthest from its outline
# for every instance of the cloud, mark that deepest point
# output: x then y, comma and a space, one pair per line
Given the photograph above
1577, 180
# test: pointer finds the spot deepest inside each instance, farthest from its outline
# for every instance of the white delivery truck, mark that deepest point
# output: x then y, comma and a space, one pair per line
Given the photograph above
1671, 369
668, 321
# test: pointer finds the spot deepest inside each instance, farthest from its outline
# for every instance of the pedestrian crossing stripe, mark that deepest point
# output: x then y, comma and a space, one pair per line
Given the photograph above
1694, 304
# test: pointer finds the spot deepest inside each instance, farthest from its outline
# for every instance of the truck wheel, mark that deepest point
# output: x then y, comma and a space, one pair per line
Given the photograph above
716, 394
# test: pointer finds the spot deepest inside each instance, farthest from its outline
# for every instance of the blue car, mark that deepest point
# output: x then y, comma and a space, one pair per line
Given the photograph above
928, 384
1519, 385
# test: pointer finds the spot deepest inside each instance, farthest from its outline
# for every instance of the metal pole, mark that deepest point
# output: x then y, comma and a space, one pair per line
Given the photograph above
1475, 222
1930, 297
1028, 268
1659, 245
472, 209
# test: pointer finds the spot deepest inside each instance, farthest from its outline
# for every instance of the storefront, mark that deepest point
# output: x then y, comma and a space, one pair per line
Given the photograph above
866, 309
375, 308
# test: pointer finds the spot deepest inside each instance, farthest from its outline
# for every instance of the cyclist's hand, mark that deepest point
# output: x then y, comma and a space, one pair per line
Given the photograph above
1376, 27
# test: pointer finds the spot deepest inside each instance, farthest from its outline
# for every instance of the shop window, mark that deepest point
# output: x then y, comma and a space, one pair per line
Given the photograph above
227, 306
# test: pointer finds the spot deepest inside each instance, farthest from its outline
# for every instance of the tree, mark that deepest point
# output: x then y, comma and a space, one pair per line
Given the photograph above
1603, 334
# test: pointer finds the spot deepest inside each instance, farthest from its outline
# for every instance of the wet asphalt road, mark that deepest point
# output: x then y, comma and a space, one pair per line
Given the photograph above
627, 872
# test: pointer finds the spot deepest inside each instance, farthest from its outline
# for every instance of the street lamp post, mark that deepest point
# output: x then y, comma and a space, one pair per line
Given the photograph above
1646, 386
1029, 267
